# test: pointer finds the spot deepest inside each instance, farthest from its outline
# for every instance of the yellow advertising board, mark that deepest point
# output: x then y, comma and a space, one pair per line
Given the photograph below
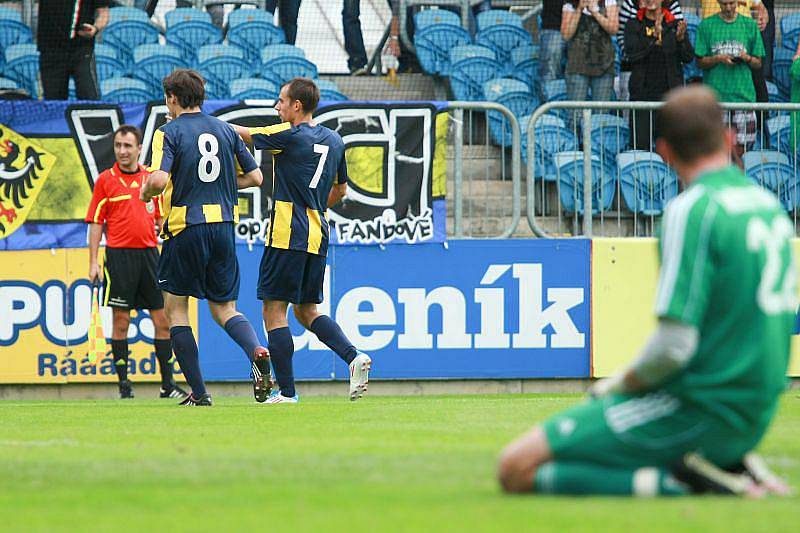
624, 279
45, 309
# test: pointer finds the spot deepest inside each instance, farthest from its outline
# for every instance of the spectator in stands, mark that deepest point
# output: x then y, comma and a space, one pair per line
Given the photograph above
629, 9
728, 48
353, 38
587, 25
551, 44
216, 11
65, 39
287, 16
768, 36
657, 47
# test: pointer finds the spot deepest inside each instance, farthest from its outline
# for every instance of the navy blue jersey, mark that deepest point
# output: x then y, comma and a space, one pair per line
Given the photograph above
308, 160
202, 154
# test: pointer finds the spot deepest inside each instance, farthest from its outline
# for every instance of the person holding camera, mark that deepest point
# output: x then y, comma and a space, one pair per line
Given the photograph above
729, 47
66, 33
656, 46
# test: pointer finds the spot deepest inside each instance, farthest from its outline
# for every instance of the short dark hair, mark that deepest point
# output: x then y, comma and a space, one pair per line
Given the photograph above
691, 122
305, 91
187, 85
133, 130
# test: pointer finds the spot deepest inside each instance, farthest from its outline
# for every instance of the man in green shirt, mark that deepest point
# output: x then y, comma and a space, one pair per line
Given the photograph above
700, 396
728, 47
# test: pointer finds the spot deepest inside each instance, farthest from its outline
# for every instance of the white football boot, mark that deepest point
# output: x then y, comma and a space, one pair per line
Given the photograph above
359, 376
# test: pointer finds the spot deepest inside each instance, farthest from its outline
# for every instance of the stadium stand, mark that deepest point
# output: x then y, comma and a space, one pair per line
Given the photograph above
190, 29
252, 30
646, 182
22, 66
254, 89
219, 63
127, 29
124, 90
328, 90
514, 95
525, 60
552, 137
107, 62
502, 31
438, 31
471, 67
282, 62
569, 167
152, 62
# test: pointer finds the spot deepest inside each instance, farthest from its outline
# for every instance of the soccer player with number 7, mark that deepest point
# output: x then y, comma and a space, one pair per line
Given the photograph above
194, 162
310, 175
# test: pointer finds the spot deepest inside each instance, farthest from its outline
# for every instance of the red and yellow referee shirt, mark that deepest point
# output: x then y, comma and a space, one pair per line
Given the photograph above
130, 223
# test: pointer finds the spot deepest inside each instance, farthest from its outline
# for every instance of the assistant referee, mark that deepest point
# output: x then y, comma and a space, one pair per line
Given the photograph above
129, 267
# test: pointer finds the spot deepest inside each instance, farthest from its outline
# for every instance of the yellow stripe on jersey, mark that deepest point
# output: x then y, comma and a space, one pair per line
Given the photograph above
314, 231
282, 225
271, 130
236, 214
166, 201
158, 151
212, 213
176, 222
97, 211
120, 198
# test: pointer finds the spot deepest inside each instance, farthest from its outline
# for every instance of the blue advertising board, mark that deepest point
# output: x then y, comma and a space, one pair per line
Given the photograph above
463, 309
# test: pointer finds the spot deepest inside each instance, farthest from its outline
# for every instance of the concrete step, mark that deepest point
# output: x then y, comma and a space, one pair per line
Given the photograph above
407, 87
566, 226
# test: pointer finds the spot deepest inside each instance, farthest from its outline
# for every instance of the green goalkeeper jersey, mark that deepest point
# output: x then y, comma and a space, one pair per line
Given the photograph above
727, 269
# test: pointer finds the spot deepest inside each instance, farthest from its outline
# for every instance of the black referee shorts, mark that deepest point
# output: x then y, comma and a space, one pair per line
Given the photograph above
130, 279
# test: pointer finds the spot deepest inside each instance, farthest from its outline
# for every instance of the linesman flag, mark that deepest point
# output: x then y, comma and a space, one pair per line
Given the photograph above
97, 338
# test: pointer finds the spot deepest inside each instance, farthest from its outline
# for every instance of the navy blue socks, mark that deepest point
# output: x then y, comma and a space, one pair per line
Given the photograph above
185, 348
241, 331
119, 351
333, 337
281, 349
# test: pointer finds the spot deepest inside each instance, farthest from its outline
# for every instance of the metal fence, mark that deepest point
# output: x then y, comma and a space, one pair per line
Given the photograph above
592, 167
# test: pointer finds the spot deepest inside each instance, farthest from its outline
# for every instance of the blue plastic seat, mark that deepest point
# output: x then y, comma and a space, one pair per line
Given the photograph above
219, 64
514, 95
790, 31
22, 66
252, 30
328, 90
107, 62
692, 23
497, 17
775, 177
433, 44
756, 158
7, 84
781, 65
610, 135
503, 38
555, 90
127, 29
647, 184
432, 17
254, 89
284, 69
551, 137
569, 168
775, 94
14, 32
468, 75
153, 62
6, 13
278, 51
525, 60
464, 51
190, 29
122, 90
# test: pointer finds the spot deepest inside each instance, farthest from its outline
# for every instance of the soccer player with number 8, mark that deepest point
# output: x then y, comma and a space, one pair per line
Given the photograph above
194, 162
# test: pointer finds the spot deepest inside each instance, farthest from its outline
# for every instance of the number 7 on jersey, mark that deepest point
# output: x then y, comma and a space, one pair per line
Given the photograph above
322, 150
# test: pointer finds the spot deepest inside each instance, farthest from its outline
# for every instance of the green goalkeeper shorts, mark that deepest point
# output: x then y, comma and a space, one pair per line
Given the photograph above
656, 429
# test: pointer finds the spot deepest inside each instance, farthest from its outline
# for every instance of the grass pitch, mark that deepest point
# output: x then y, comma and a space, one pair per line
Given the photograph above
380, 464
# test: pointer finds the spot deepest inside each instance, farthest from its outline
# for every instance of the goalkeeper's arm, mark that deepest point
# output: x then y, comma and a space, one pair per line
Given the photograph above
665, 354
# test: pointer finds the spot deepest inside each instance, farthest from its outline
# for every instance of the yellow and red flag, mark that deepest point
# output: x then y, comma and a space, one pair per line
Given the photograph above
97, 338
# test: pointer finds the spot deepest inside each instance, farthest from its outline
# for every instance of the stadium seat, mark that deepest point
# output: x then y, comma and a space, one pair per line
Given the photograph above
692, 23
6, 13
781, 65
526, 65
328, 90
122, 90
254, 89
514, 95
470, 67
433, 17
569, 168
6, 84
646, 182
502, 31
610, 135
277, 51
497, 17
190, 29
22, 66
781, 134
107, 62
776, 177
13, 32
775, 94
755, 158
281, 69
433, 44
219, 64
551, 136
790, 31
556, 91
127, 29
153, 62
252, 30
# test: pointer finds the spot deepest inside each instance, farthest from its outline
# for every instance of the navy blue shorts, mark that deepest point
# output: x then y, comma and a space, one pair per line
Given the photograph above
201, 261
291, 276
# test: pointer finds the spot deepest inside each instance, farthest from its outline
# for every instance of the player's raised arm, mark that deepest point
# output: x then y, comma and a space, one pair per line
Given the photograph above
163, 156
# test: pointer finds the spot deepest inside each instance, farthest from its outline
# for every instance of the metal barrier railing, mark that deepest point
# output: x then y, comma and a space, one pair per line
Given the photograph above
483, 189
599, 164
